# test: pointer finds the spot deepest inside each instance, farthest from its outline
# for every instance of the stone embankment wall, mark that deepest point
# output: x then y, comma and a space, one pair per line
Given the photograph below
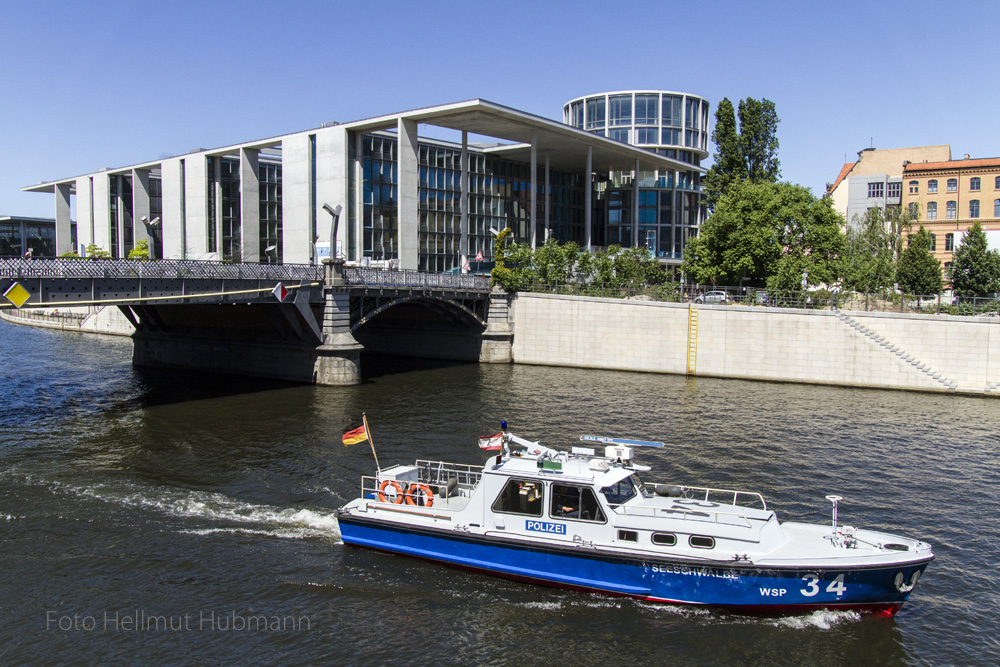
887, 350
84, 319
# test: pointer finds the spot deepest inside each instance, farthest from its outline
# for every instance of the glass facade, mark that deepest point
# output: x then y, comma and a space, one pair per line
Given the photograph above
156, 211
668, 210
498, 196
17, 235
271, 238
229, 196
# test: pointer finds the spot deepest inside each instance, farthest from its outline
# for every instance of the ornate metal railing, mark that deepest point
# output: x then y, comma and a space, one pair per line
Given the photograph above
414, 279
171, 268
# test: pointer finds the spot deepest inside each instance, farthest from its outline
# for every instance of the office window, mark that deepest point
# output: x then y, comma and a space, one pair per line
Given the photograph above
671, 137
914, 187
951, 210
933, 242
949, 242
619, 134
646, 107
647, 135
692, 113
875, 190
620, 110
595, 113
932, 210
894, 190
974, 183
576, 115
952, 185
932, 186
672, 111
974, 208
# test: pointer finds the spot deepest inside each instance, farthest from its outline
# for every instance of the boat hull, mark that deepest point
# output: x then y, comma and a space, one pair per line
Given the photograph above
738, 586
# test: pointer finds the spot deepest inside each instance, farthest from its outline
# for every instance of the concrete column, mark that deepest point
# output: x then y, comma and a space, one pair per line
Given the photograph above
359, 197
172, 218
140, 206
588, 194
464, 219
249, 205
408, 191
296, 200
102, 212
338, 359
533, 216
548, 201
333, 166
498, 339
64, 241
635, 205
84, 213
196, 183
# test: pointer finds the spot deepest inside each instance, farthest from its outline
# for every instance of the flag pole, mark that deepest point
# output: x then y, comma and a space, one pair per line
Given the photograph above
371, 442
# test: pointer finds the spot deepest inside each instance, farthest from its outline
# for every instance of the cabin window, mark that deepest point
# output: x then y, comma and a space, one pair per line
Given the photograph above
520, 496
575, 502
664, 539
620, 492
628, 536
701, 541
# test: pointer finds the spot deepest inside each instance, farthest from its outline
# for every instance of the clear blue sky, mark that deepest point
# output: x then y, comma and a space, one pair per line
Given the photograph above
89, 85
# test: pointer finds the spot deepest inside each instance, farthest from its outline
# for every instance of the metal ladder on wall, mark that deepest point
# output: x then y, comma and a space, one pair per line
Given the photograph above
692, 365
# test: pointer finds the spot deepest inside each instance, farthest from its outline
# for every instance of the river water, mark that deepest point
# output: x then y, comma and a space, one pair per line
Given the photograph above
152, 516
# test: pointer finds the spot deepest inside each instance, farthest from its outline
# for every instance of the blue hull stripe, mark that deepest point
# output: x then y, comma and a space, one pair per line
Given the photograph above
733, 585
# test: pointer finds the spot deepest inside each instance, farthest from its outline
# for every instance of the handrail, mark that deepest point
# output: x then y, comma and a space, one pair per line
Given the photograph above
170, 268
651, 486
696, 514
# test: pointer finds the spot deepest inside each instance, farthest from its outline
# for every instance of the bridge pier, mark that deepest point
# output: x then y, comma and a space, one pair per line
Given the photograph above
338, 359
498, 339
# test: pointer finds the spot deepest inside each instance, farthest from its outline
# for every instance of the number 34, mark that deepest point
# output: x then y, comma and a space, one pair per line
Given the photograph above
812, 585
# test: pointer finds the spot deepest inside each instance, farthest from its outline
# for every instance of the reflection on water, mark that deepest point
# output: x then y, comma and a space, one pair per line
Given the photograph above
180, 494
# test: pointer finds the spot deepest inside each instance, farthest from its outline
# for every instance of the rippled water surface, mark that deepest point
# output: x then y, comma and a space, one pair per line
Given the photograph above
151, 516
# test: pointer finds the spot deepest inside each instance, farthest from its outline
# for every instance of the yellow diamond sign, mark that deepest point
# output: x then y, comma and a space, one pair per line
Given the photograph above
17, 295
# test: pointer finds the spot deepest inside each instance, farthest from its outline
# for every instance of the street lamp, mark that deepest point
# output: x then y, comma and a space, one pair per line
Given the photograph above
268, 250
151, 226
334, 212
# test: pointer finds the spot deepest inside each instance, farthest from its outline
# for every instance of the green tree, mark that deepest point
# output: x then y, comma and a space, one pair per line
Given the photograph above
140, 251
759, 140
767, 234
94, 251
873, 248
919, 272
975, 270
747, 153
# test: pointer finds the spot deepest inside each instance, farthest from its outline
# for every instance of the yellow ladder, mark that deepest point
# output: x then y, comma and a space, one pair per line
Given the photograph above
692, 341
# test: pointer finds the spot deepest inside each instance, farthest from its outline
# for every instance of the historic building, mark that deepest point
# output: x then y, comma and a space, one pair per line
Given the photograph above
875, 180
398, 198
949, 196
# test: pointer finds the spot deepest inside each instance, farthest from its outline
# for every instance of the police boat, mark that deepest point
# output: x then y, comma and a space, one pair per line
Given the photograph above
585, 521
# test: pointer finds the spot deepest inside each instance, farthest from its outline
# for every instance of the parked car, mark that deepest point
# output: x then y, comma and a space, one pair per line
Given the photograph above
716, 296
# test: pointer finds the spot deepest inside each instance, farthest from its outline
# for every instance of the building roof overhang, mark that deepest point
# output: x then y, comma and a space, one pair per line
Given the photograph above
565, 146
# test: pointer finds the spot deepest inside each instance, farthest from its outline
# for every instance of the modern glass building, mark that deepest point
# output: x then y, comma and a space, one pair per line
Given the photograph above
660, 209
19, 234
407, 201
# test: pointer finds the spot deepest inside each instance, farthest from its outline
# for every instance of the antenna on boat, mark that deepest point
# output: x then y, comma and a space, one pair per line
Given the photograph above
834, 500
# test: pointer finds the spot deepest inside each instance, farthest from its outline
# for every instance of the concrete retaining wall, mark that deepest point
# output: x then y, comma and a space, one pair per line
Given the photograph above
886, 350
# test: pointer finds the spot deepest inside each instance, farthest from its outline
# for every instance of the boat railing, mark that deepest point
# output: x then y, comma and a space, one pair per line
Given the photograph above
706, 494
694, 514
440, 472
408, 495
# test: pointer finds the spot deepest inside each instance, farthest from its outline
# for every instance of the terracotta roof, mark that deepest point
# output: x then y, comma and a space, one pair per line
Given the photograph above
842, 175
952, 164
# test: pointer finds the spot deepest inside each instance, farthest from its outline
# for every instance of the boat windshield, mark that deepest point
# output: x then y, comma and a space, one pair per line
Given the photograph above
620, 492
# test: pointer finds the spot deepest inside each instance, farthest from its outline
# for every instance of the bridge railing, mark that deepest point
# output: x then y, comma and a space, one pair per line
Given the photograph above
357, 276
171, 268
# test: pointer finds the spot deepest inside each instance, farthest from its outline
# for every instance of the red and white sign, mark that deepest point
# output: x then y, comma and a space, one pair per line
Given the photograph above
479, 256
279, 292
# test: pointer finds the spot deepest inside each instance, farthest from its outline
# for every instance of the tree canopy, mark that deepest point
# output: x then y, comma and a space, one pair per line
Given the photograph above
919, 272
873, 248
767, 234
975, 270
749, 152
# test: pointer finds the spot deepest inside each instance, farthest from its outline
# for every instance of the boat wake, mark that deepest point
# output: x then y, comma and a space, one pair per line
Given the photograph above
243, 517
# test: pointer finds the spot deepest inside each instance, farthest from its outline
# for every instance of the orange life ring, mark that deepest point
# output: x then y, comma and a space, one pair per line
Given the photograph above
395, 485
415, 491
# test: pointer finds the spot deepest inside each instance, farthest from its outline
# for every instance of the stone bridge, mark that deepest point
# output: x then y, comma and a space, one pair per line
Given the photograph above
232, 318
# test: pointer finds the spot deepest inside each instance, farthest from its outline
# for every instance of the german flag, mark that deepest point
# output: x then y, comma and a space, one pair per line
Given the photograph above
360, 434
